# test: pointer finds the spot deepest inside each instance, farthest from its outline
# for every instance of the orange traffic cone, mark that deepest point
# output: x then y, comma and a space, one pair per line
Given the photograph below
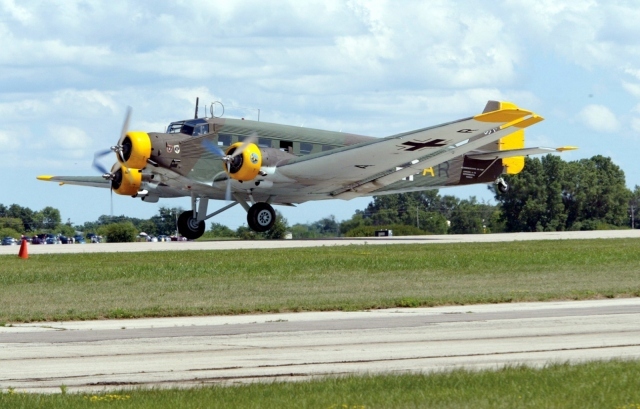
23, 253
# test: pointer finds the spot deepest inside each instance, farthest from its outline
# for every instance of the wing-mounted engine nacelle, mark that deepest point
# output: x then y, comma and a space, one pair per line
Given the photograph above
246, 166
136, 149
125, 181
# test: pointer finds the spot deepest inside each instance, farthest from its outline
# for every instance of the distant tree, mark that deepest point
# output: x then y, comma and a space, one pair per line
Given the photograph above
13, 223
466, 218
119, 232
634, 203
596, 192
165, 220
23, 213
279, 228
220, 230
551, 195
148, 227
357, 220
48, 218
327, 226
9, 232
534, 201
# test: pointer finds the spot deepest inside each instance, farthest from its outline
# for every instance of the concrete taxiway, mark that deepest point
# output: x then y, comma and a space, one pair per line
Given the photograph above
268, 244
183, 352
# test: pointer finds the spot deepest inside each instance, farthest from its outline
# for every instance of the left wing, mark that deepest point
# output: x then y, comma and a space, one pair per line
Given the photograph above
359, 169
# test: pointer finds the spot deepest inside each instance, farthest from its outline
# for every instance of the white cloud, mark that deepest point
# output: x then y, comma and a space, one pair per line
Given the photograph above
599, 118
9, 142
69, 141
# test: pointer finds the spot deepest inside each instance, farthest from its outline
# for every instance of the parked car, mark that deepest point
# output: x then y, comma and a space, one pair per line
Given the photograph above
9, 241
51, 240
79, 239
39, 239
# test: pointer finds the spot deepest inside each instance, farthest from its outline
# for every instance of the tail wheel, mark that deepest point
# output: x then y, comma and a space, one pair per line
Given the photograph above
261, 217
190, 227
502, 185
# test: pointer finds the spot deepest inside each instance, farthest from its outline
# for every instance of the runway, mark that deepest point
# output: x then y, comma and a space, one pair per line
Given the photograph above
184, 352
267, 244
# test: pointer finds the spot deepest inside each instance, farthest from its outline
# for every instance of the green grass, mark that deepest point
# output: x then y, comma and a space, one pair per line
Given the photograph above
53, 287
614, 384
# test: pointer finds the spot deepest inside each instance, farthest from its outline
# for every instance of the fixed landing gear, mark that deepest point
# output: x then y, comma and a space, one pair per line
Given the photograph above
189, 227
261, 217
502, 186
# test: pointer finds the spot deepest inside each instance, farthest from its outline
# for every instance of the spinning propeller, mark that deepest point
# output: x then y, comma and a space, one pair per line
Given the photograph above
230, 160
120, 149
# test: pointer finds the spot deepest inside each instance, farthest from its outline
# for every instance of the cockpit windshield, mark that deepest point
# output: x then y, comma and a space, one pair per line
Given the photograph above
194, 127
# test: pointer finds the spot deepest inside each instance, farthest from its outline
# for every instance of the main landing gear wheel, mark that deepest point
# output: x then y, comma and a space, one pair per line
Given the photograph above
189, 227
261, 217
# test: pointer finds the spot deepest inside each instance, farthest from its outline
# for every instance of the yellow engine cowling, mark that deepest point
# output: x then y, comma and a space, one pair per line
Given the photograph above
136, 149
126, 181
245, 166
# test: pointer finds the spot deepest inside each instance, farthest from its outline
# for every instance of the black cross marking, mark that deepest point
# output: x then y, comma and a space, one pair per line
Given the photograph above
416, 145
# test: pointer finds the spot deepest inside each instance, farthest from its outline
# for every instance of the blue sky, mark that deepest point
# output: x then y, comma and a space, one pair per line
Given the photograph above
69, 69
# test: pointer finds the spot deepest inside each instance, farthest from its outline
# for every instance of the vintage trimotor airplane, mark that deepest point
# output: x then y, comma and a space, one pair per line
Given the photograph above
257, 164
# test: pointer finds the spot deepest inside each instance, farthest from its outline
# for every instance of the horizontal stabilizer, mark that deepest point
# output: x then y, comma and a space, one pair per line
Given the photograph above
518, 152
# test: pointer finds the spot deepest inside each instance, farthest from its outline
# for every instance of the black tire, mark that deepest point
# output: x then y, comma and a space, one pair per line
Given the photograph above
261, 217
189, 227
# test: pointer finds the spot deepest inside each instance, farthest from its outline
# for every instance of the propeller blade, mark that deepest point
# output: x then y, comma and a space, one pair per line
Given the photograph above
213, 148
97, 165
253, 138
227, 195
125, 126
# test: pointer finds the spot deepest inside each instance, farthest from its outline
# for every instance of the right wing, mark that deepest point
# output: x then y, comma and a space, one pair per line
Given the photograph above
93, 181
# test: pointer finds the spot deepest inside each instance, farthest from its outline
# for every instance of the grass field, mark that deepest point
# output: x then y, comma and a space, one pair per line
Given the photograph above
614, 384
58, 287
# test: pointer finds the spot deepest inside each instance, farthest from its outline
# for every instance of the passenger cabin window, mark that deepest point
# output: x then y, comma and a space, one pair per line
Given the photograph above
327, 148
286, 146
306, 148
224, 139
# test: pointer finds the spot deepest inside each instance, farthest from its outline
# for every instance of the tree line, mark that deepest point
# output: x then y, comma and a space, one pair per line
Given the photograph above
548, 195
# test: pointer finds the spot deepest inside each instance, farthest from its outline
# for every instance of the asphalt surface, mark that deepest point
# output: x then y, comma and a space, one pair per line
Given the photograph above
184, 352
266, 244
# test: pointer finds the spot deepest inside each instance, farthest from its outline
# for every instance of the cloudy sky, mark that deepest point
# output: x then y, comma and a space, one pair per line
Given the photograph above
69, 69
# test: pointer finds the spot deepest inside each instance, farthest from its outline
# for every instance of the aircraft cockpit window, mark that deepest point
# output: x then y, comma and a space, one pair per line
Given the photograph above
264, 142
327, 148
186, 129
174, 127
201, 129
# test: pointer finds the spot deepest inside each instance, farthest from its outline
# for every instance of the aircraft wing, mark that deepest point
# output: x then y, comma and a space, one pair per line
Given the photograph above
93, 181
518, 152
358, 169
